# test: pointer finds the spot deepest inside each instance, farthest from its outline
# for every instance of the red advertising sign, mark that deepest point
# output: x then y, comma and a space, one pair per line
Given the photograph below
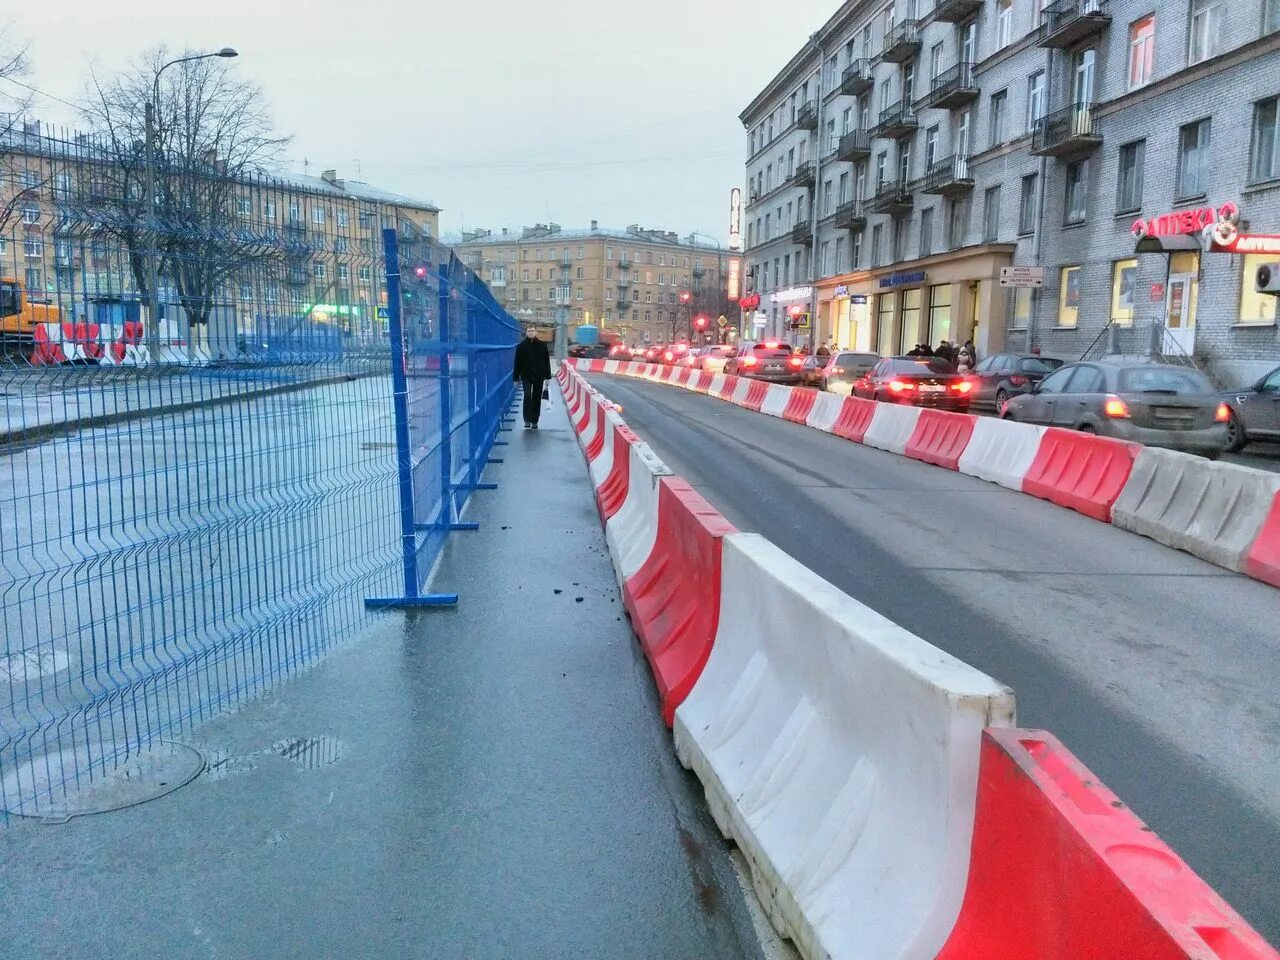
1157, 292
1248, 243
750, 301
1184, 221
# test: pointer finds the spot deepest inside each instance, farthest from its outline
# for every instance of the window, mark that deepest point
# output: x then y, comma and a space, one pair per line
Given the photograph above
33, 245
911, 316
344, 218
991, 215
1068, 296
295, 211
1142, 51
926, 232
320, 271
62, 186
884, 324
875, 245
579, 293
1057, 381
855, 259
537, 273
998, 103
1129, 178
608, 253
35, 279
317, 214
939, 312
824, 259
1077, 188
930, 147
340, 245
1266, 145
525, 276
1004, 24
841, 267
1027, 205
1035, 99
844, 187
935, 61
363, 274
899, 240
1124, 276
246, 291
1193, 160
30, 179
1021, 307
1255, 307
246, 206
30, 214
580, 273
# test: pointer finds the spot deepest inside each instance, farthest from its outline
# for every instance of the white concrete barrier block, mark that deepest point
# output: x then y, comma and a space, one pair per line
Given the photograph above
602, 465
1213, 510
841, 753
740, 391
717, 386
1001, 451
891, 427
776, 399
631, 532
611, 366
825, 412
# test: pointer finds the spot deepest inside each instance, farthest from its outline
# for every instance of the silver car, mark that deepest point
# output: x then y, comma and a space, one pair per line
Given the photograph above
1150, 403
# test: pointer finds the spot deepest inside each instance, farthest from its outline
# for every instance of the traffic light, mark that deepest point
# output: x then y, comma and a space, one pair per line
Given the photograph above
685, 296
799, 317
420, 272
700, 323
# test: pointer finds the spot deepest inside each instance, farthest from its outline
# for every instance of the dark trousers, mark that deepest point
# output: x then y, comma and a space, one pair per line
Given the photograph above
532, 400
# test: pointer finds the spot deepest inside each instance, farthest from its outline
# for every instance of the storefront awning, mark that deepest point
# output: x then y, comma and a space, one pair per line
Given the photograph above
1171, 243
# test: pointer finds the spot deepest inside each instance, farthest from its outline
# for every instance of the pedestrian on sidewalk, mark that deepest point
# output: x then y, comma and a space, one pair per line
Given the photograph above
532, 369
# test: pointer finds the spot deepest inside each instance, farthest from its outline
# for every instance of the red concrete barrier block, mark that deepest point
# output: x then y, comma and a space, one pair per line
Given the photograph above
596, 443
1061, 870
674, 598
941, 437
800, 405
1263, 560
597, 366
855, 418
730, 385
683, 378
1081, 471
704, 381
755, 395
586, 410
612, 492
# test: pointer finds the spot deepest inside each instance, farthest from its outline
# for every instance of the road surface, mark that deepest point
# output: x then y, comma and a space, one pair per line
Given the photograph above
1160, 671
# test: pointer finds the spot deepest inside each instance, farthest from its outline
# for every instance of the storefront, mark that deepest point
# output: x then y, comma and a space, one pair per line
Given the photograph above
844, 314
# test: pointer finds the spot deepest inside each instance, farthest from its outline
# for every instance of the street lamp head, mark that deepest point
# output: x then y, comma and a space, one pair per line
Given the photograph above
228, 52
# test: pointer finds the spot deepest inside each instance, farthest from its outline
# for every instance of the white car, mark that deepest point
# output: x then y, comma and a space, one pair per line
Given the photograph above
714, 357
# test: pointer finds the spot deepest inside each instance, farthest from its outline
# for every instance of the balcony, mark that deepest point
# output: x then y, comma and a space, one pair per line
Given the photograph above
892, 198
951, 88
498, 280
807, 115
857, 78
803, 175
896, 120
566, 263
948, 177
901, 42
699, 271
802, 232
624, 263
1069, 132
850, 216
955, 11
854, 145
1067, 22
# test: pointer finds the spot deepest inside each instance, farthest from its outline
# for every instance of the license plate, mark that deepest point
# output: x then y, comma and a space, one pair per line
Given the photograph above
773, 366
932, 388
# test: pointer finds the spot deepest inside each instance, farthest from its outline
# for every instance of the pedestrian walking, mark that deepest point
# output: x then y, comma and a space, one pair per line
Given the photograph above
824, 351
965, 363
532, 369
973, 351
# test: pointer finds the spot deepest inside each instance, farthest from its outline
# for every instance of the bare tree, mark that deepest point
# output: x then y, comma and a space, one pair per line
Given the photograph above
213, 137
16, 187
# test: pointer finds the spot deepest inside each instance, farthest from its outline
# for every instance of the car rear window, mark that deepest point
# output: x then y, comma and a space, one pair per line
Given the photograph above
1162, 380
1039, 365
857, 360
920, 366
773, 347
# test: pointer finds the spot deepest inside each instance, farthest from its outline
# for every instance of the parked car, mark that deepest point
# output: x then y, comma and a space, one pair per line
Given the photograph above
589, 351
768, 360
843, 369
1004, 375
619, 351
716, 356
653, 352
811, 371
1153, 403
918, 381
674, 353
693, 359
1254, 412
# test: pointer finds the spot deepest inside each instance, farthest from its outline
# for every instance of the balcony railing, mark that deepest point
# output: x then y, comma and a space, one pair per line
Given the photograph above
953, 11
802, 232
1071, 131
1067, 22
893, 198
699, 271
624, 263
807, 115
896, 120
803, 175
901, 41
854, 145
951, 88
850, 215
950, 176
857, 78
566, 262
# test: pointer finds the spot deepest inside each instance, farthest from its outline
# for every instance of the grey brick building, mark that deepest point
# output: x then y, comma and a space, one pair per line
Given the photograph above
908, 152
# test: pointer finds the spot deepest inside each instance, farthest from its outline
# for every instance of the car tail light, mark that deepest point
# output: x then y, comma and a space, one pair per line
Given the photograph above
1222, 414
796, 362
1018, 381
1116, 408
772, 345
898, 386
837, 369
964, 386
749, 361
669, 356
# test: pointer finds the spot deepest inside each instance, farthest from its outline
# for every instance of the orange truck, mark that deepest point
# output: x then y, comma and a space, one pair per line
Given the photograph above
19, 317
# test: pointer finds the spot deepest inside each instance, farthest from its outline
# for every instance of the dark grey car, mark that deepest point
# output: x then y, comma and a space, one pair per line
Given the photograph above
1004, 375
1155, 404
1255, 412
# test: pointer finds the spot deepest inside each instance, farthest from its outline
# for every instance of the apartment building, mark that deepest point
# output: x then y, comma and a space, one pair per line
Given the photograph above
913, 149
627, 281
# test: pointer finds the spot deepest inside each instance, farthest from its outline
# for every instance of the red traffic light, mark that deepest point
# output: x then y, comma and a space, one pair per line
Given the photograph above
700, 323
684, 296
420, 272
796, 310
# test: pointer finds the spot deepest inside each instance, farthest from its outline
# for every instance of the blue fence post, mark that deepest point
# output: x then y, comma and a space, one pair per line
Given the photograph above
404, 453
446, 397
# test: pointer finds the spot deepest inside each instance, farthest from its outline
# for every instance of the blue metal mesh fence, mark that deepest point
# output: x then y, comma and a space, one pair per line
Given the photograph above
193, 508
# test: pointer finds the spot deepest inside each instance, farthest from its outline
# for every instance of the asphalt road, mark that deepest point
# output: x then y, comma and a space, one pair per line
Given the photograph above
1158, 670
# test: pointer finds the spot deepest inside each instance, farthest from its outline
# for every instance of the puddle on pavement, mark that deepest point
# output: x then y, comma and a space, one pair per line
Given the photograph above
310, 753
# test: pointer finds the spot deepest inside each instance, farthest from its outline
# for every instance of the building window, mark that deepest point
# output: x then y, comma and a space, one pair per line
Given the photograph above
363, 274
317, 214
911, 317
246, 291
1266, 145
340, 245
1068, 296
926, 232
344, 272
1142, 51
1193, 160
344, 218
320, 271
1077, 183
580, 273
1129, 178
899, 240
876, 233
856, 259
1035, 99
991, 215
295, 211
1004, 24
1255, 307
35, 279
33, 245
579, 293
998, 103
1124, 277
608, 253
1021, 308
246, 207
1206, 29
840, 264
956, 221
30, 214
1027, 205
939, 312
884, 324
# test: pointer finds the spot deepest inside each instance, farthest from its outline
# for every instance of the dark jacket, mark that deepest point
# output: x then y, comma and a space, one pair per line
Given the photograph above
533, 360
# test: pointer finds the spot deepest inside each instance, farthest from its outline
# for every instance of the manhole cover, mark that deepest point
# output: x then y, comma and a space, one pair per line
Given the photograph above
59, 785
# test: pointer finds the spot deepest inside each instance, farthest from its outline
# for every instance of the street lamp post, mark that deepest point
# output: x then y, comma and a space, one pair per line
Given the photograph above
153, 295
719, 263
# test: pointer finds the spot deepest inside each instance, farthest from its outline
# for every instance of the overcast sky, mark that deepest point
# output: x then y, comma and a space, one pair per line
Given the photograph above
503, 113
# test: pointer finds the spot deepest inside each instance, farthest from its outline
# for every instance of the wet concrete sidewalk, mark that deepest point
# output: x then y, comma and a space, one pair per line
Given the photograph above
488, 782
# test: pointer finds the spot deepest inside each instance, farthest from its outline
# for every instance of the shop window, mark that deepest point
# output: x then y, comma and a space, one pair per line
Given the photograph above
1068, 296
884, 324
910, 318
1020, 307
1124, 279
1255, 307
939, 313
